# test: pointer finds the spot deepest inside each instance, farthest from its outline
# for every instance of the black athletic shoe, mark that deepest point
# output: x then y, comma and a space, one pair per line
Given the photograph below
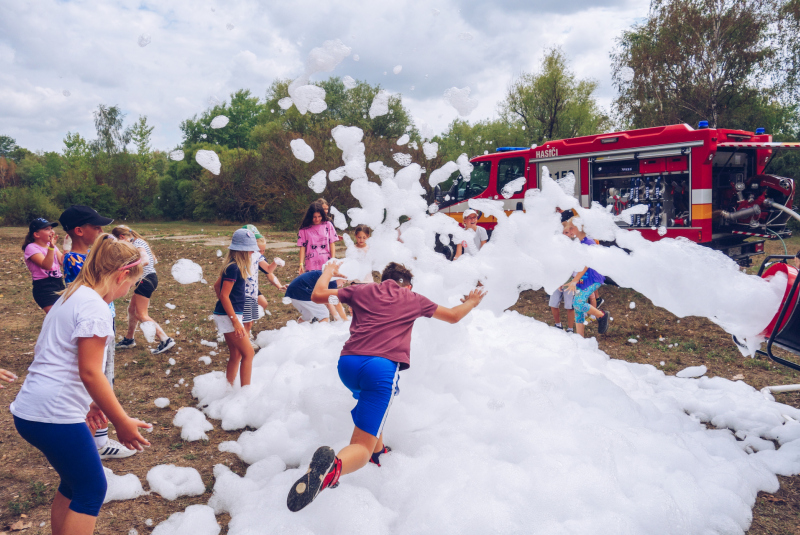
602, 322
323, 472
600, 302
163, 346
125, 343
375, 459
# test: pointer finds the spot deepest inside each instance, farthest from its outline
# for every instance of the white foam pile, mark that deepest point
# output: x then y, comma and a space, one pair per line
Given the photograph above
186, 272
193, 424
162, 403
220, 121
170, 306
209, 344
301, 150
459, 99
149, 331
172, 482
196, 520
125, 487
205, 360
208, 159
504, 424
692, 371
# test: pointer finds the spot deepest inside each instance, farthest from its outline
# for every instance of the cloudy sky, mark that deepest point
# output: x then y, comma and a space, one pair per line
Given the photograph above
60, 59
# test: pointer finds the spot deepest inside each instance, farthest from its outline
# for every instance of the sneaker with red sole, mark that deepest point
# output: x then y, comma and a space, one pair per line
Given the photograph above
375, 459
323, 472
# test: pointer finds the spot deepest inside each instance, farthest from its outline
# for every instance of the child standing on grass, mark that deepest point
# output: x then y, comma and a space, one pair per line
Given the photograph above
316, 239
370, 363
229, 312
140, 301
584, 284
65, 388
44, 262
252, 293
84, 225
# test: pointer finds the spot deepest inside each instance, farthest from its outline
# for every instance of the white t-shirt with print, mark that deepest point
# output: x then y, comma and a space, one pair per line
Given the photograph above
53, 391
251, 282
473, 245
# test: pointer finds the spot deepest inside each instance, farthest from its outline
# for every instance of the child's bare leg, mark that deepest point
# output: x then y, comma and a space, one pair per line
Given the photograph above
140, 305
332, 312
235, 357
579, 328
571, 318
340, 310
68, 522
596, 312
132, 322
263, 301
593, 301
556, 314
358, 453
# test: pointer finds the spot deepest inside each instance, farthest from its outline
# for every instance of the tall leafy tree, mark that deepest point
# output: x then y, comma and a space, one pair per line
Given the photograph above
706, 59
7, 146
553, 103
112, 138
140, 134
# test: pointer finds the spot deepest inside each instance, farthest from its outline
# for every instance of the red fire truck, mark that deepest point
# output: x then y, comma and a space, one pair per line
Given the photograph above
707, 185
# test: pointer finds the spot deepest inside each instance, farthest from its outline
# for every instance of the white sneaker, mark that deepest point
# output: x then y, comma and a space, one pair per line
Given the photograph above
114, 450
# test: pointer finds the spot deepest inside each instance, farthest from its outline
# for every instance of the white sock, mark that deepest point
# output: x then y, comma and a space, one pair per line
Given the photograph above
101, 438
558, 325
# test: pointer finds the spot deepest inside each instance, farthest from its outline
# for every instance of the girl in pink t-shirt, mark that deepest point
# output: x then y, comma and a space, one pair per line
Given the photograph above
44, 262
316, 239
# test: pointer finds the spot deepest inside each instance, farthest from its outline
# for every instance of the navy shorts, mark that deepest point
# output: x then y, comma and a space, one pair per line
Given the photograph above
71, 450
147, 285
373, 382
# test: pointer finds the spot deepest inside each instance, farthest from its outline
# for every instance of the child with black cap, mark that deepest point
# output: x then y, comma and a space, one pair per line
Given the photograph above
44, 262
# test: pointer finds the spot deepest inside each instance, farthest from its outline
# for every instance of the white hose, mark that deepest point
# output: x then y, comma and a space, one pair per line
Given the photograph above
782, 388
781, 207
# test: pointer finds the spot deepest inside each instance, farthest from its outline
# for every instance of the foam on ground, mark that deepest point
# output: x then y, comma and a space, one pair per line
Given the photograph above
196, 520
193, 424
125, 487
172, 482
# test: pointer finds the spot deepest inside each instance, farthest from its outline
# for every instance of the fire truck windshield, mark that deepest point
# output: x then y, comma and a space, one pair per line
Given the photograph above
455, 189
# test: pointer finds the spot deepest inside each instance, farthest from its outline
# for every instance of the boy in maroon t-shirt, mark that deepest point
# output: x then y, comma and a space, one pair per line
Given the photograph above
369, 365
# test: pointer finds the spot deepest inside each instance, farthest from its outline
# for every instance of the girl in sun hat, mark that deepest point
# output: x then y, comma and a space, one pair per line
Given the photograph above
228, 314
44, 262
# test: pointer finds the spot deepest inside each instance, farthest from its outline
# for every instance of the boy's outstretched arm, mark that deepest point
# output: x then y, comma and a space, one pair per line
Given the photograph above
457, 313
321, 291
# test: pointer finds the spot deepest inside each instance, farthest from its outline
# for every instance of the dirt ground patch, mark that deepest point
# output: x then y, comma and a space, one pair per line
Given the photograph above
27, 482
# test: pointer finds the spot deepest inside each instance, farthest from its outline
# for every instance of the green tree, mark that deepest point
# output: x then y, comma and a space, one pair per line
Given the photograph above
706, 59
7, 146
111, 137
242, 113
552, 103
462, 137
140, 136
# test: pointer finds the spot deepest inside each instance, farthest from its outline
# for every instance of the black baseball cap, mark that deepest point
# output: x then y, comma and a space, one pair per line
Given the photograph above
39, 223
78, 215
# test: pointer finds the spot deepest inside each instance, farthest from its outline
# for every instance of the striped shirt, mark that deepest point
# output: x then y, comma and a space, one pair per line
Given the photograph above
150, 267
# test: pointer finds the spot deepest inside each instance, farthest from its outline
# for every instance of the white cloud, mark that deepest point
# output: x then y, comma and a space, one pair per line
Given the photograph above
91, 50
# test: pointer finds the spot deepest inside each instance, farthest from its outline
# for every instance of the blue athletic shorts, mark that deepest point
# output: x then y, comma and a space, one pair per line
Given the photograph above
373, 382
71, 450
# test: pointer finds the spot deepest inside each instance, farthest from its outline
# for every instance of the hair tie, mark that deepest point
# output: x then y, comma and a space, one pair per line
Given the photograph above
400, 280
130, 265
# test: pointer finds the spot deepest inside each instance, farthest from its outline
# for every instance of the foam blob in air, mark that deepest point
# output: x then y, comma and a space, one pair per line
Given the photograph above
144, 40
186, 272
172, 482
318, 182
402, 158
220, 121
301, 150
208, 159
397, 69
302, 94
176, 155
402, 140
149, 331
380, 104
339, 219
459, 99
430, 150
349, 82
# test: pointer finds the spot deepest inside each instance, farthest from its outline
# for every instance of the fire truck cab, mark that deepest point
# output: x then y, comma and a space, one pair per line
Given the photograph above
707, 185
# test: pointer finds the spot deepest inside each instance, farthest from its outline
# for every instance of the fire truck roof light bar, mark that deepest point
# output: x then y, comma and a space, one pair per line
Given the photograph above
509, 149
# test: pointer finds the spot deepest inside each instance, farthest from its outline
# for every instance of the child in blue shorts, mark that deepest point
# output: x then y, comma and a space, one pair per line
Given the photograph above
65, 388
369, 365
583, 285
